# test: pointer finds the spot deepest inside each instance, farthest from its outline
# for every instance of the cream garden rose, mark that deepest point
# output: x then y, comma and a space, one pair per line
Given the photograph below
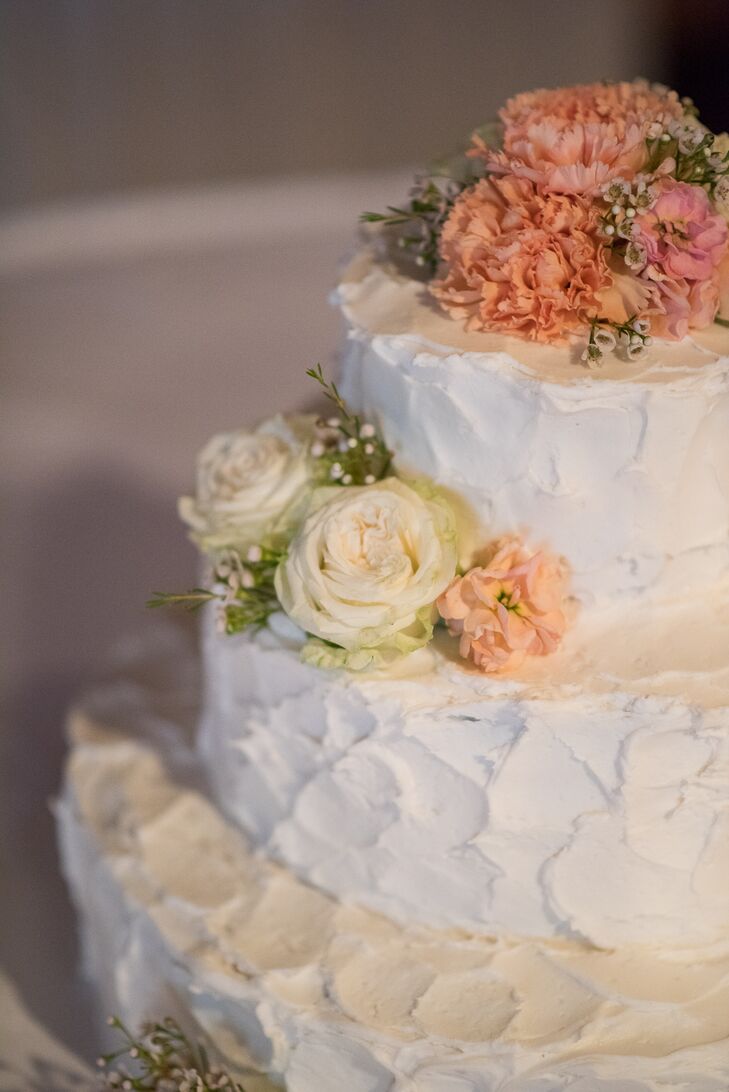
248, 483
365, 569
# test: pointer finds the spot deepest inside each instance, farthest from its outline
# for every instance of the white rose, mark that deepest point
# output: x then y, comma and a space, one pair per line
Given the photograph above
364, 570
247, 483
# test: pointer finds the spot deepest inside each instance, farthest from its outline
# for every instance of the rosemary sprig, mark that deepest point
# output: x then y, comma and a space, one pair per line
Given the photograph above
191, 600
331, 391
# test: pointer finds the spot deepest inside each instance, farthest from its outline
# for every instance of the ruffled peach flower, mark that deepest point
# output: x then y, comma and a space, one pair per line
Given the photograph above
508, 609
521, 262
685, 244
588, 102
575, 139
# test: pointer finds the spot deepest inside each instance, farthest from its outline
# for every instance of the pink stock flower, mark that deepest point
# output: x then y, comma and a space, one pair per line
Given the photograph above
572, 140
508, 609
682, 234
685, 245
521, 262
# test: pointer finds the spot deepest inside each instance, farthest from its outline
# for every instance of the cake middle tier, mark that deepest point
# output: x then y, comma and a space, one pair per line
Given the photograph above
623, 469
588, 799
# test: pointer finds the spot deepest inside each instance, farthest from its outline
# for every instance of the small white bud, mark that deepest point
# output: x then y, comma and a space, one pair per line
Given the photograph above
336, 471
369, 449
352, 442
665, 137
333, 422
347, 479
420, 260
255, 553
616, 209
317, 449
370, 479
609, 229
367, 431
630, 212
247, 580
343, 446
605, 340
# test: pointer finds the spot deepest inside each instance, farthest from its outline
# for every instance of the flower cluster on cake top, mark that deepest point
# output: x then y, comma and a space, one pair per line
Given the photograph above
597, 212
308, 516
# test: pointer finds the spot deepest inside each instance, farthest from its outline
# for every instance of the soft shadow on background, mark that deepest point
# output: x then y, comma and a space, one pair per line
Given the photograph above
179, 180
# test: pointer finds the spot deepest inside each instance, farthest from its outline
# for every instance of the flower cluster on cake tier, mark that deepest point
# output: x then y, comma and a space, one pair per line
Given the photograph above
597, 212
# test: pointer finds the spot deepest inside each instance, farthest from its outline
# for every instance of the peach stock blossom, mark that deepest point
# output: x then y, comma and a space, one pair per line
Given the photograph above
521, 262
508, 609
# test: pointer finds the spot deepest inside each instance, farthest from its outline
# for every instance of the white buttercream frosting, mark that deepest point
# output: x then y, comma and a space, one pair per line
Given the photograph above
588, 796
180, 917
624, 470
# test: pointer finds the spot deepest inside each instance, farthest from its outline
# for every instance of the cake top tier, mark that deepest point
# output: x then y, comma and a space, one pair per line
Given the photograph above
623, 469
382, 300
593, 215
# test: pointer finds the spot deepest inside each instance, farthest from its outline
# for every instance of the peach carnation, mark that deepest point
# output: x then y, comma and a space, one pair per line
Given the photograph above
508, 609
521, 262
575, 139
595, 102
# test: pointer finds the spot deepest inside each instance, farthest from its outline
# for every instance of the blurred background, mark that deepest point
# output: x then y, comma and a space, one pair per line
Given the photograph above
178, 183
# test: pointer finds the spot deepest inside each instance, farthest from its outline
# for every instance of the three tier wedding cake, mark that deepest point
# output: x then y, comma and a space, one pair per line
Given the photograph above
456, 817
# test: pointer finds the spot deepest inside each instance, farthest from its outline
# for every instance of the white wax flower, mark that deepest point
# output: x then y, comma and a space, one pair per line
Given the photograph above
248, 483
364, 570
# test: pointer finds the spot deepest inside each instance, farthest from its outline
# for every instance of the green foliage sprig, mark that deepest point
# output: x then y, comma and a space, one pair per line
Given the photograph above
162, 1059
247, 594
191, 600
420, 221
690, 147
348, 451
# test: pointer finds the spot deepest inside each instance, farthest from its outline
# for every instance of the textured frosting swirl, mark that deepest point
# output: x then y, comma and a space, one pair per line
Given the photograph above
179, 916
586, 796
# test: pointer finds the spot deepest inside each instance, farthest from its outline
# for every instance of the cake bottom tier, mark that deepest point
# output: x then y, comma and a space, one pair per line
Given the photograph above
179, 917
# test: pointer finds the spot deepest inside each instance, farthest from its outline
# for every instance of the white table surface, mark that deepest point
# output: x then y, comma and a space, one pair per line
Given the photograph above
131, 330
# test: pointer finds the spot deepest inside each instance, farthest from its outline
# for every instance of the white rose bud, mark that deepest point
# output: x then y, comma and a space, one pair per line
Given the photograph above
364, 570
247, 481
